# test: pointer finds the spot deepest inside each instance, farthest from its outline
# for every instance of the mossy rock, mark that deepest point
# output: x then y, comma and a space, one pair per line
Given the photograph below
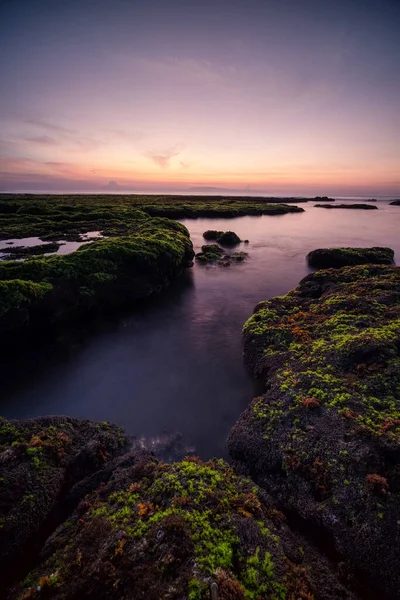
326, 258
209, 253
166, 532
212, 234
99, 275
41, 460
324, 439
359, 206
228, 238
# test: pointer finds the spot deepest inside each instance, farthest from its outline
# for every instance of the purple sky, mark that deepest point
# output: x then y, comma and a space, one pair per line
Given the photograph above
276, 96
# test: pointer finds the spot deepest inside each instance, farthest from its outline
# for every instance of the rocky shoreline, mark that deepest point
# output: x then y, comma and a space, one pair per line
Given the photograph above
308, 509
324, 438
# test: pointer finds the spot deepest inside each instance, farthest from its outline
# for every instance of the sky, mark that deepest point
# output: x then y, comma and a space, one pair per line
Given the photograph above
279, 97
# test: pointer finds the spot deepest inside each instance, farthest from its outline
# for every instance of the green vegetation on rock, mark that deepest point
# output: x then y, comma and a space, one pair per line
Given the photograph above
360, 206
325, 437
141, 256
163, 531
326, 258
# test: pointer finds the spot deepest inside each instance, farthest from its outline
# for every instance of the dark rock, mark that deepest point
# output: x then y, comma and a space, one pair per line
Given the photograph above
228, 238
324, 439
212, 234
41, 460
326, 258
323, 199
395, 203
166, 532
355, 206
209, 253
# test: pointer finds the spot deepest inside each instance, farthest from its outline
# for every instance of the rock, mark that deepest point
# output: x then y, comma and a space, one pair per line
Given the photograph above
324, 438
359, 206
99, 276
228, 238
326, 258
395, 203
40, 462
167, 532
225, 238
323, 199
211, 234
209, 253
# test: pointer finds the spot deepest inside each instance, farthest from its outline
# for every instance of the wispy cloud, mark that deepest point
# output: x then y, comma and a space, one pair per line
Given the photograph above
162, 158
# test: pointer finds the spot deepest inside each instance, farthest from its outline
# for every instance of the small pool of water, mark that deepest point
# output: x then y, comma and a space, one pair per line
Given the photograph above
66, 247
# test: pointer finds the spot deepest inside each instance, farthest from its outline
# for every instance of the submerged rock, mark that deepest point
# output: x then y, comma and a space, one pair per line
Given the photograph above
325, 258
359, 206
166, 532
324, 439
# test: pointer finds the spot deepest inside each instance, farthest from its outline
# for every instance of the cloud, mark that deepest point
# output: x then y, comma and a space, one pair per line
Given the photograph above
46, 140
163, 158
112, 185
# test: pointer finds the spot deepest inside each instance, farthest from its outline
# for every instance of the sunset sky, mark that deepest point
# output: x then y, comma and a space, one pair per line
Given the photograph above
272, 96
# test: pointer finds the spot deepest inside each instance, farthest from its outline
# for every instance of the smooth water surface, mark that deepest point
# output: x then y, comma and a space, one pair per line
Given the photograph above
176, 365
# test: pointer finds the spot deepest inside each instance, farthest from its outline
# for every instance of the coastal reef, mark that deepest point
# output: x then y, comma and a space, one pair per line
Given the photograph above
324, 437
326, 258
360, 206
102, 524
101, 274
21, 209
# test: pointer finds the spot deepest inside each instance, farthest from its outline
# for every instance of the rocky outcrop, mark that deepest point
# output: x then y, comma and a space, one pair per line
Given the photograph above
395, 203
209, 253
147, 530
99, 275
359, 206
225, 238
41, 460
326, 258
212, 253
324, 438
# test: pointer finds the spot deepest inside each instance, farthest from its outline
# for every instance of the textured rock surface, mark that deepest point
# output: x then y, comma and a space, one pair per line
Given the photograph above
324, 439
325, 258
158, 531
41, 460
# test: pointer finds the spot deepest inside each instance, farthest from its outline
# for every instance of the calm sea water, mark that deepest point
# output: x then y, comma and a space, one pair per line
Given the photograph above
176, 365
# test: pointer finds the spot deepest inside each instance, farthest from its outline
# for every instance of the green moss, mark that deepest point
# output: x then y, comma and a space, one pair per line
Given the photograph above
102, 273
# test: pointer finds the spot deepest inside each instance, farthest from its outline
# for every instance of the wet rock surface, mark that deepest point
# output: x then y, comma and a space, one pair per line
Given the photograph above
325, 258
324, 438
214, 254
